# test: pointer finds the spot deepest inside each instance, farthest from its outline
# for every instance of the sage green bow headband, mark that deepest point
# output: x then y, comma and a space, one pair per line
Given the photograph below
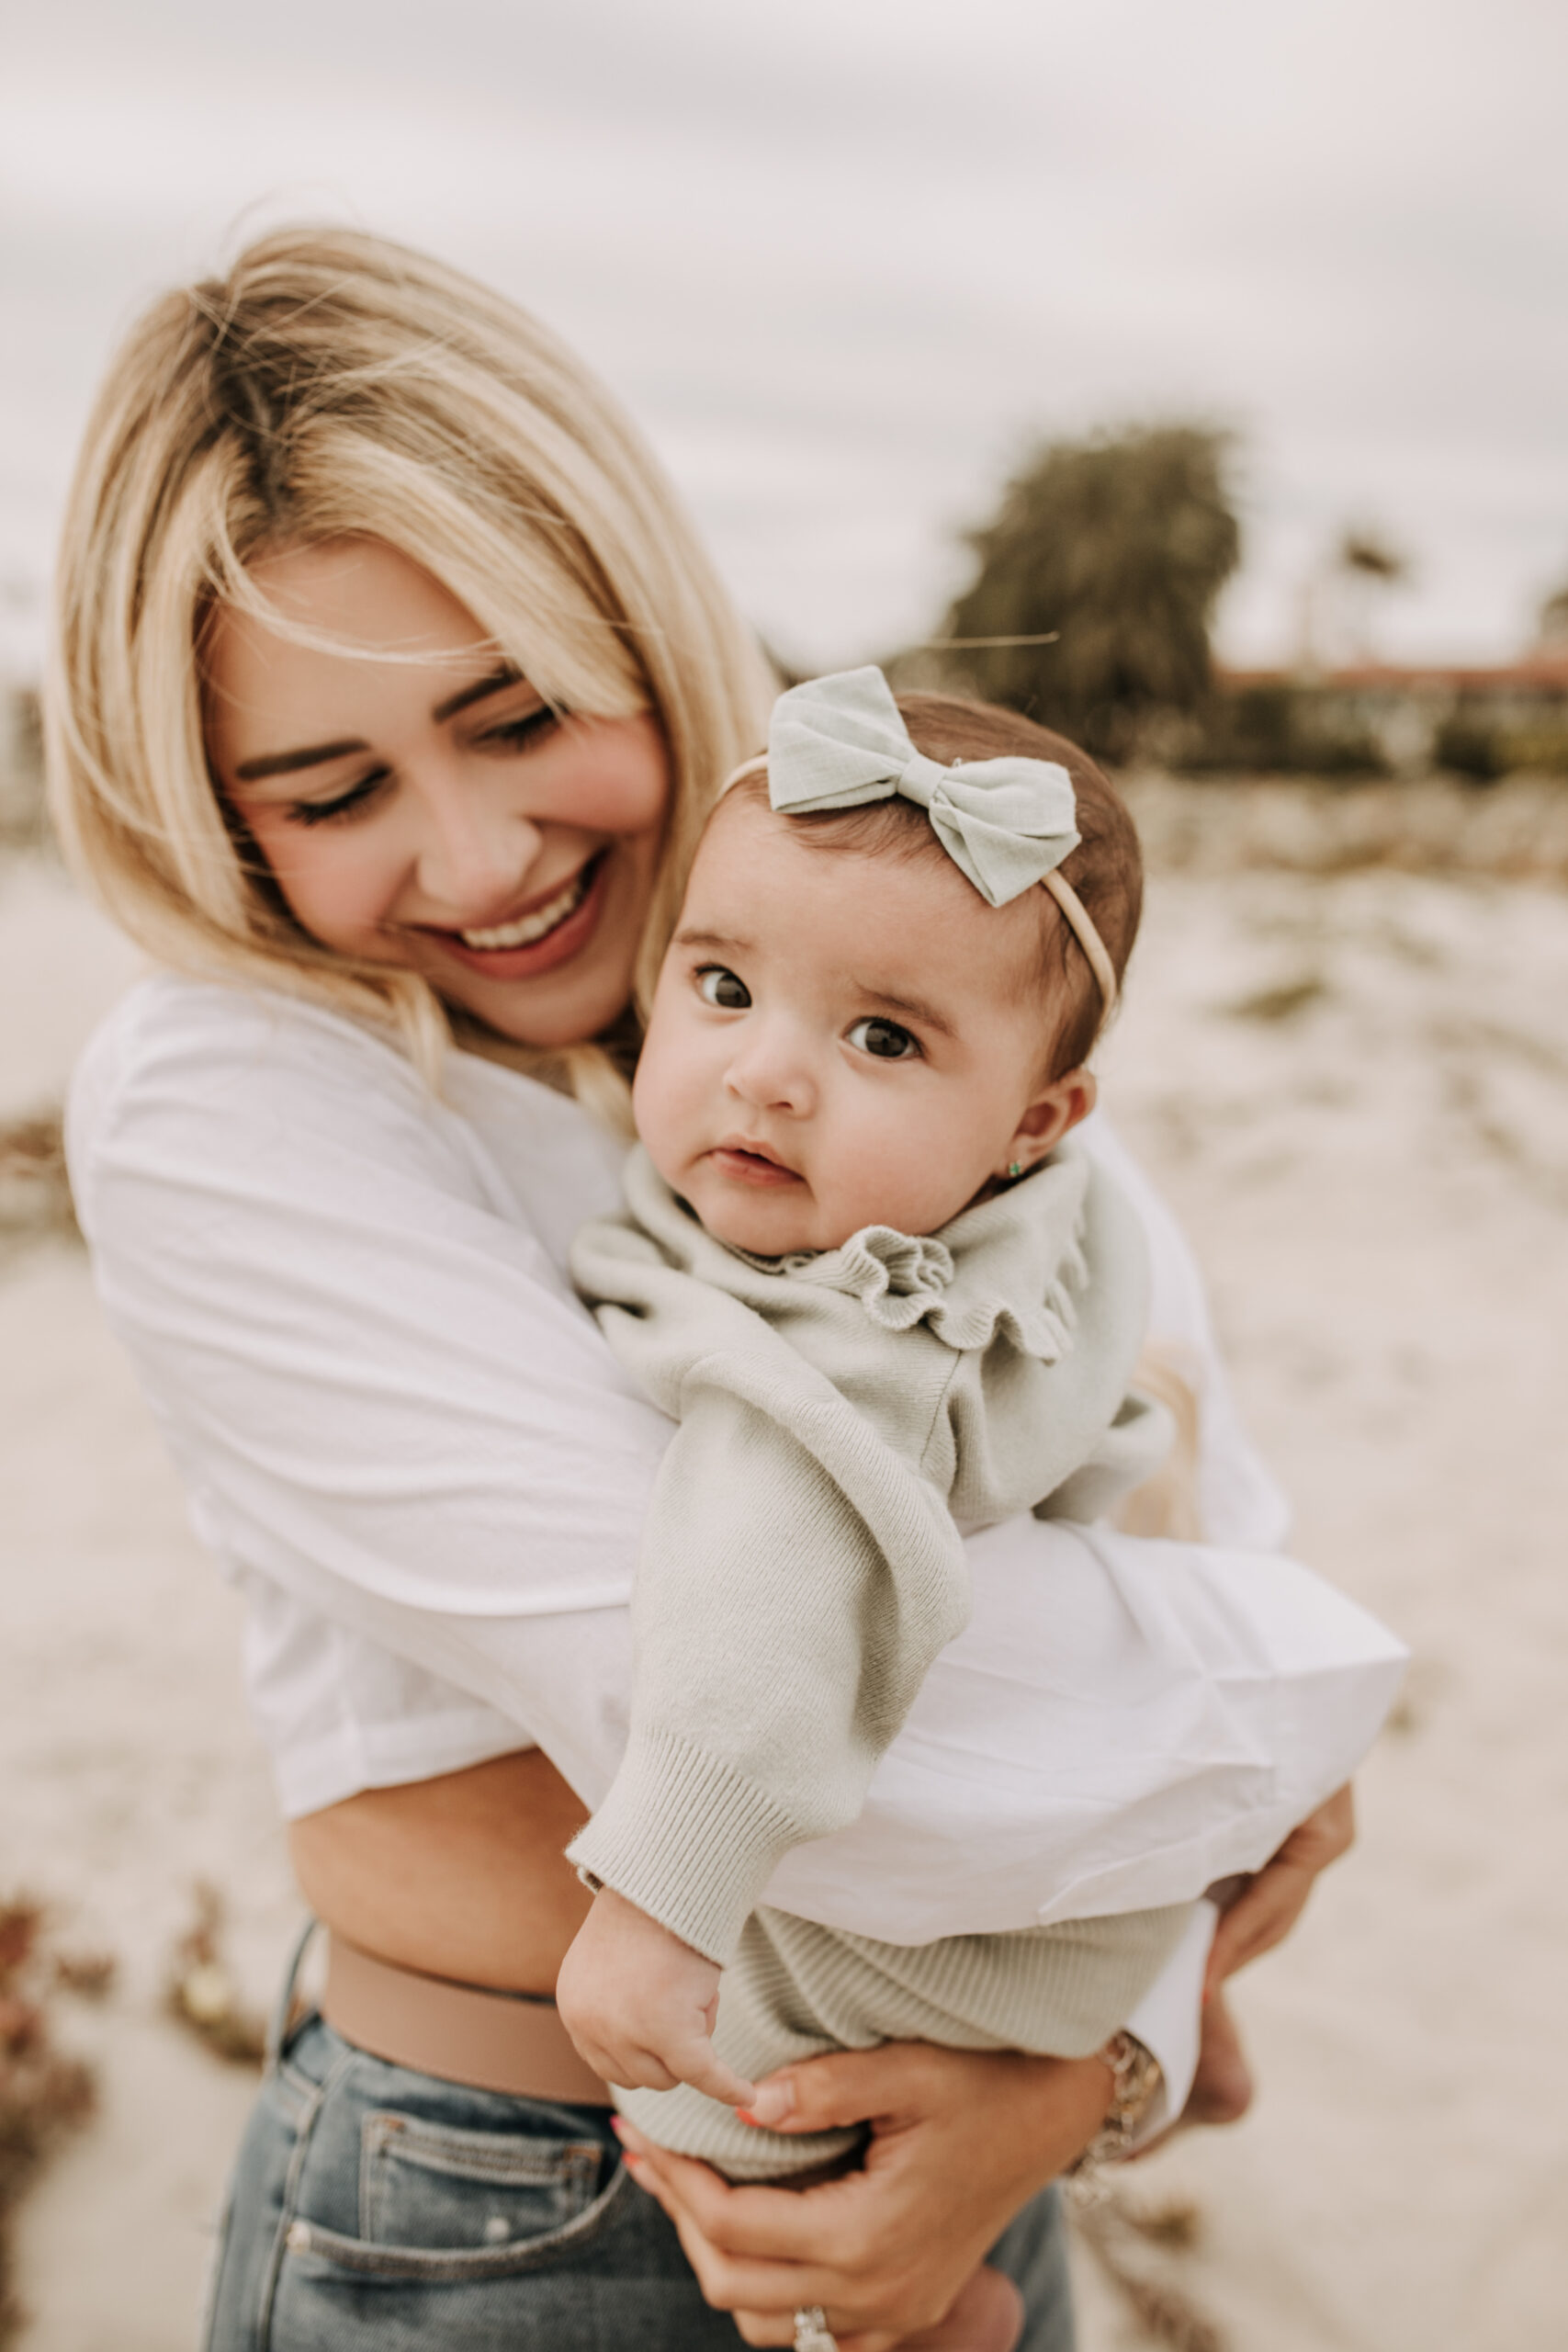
840, 742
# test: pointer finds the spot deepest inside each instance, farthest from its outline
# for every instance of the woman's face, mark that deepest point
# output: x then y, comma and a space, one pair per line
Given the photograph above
433, 814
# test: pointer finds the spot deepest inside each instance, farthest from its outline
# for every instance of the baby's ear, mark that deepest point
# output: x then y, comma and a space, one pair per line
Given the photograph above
1055, 1111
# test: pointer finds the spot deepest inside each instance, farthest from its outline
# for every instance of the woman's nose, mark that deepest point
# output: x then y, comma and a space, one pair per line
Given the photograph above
474, 853
770, 1070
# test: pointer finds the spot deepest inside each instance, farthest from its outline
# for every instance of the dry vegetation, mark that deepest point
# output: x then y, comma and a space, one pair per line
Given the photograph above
1137, 2248
35, 1195
203, 1994
45, 2094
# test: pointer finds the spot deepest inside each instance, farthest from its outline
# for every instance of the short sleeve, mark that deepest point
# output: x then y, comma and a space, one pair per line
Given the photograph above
369, 1370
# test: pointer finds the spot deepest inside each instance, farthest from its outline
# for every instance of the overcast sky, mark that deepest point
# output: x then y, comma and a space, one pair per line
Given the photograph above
845, 258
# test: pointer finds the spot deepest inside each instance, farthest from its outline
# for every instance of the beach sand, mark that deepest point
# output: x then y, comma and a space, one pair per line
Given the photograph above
1354, 1089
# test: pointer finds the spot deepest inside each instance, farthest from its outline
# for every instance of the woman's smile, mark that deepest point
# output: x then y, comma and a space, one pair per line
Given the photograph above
547, 930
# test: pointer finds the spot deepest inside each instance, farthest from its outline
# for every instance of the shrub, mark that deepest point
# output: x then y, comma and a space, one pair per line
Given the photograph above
1122, 544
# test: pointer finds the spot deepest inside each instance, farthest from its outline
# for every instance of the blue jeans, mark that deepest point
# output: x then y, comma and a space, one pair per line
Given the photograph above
377, 2209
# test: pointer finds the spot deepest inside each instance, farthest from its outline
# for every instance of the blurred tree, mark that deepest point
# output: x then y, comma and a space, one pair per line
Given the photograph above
1122, 543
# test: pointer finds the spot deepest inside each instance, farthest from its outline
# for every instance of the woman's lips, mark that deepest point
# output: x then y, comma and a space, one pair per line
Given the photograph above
751, 1167
582, 897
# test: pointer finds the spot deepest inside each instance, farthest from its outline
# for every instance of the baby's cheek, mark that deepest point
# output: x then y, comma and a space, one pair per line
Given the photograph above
914, 1171
661, 1103
855, 1175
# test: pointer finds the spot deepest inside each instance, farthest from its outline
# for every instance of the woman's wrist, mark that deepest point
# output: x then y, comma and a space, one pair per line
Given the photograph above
1061, 2105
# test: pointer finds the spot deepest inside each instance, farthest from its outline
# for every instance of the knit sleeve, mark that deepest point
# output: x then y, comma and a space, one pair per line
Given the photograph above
797, 1578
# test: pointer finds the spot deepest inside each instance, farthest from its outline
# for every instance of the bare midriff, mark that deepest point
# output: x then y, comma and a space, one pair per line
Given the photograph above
462, 1876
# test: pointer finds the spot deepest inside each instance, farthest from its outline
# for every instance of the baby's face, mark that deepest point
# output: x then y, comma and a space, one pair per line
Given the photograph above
836, 1040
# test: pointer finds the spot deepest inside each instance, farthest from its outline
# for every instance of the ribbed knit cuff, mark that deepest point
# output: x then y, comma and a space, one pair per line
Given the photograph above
688, 1839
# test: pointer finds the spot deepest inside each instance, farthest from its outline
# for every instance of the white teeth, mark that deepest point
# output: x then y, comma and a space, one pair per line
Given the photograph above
530, 927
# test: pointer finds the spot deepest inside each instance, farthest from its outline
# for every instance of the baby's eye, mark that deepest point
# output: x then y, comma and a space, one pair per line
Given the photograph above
723, 988
886, 1041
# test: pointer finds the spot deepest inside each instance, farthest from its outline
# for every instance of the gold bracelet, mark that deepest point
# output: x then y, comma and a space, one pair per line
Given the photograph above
1135, 2077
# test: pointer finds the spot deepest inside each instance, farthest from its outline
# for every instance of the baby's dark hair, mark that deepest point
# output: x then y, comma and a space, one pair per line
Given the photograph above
1106, 869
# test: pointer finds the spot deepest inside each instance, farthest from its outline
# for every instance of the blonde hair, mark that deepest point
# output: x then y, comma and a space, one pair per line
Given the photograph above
330, 384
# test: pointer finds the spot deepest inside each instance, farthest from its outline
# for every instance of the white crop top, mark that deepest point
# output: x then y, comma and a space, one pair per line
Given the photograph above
405, 1442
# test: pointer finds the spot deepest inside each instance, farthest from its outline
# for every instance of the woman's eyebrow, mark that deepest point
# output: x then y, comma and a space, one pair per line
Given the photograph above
316, 756
506, 674
284, 763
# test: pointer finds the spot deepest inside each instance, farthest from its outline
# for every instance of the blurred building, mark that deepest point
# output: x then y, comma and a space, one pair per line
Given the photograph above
1380, 718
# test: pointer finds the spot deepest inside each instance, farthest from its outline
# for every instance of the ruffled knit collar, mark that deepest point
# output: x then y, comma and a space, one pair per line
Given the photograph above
902, 1279
899, 1278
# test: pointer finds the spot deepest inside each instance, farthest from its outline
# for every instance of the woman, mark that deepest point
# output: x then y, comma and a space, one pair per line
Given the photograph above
391, 687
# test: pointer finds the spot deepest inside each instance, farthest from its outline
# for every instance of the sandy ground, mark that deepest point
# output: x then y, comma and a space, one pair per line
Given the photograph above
1355, 1091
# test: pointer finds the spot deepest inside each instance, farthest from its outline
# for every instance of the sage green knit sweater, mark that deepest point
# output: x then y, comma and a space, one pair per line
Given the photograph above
842, 1414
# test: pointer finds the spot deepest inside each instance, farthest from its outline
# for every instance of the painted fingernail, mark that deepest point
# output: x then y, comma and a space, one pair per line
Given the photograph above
772, 2104
616, 2127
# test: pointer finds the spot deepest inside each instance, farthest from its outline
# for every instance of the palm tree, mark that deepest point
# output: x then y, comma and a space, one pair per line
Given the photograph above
1366, 567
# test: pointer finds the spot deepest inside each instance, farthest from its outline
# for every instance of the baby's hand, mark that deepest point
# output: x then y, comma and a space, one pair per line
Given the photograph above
641, 2004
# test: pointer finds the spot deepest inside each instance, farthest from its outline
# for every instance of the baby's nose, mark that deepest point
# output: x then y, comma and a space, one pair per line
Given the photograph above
771, 1073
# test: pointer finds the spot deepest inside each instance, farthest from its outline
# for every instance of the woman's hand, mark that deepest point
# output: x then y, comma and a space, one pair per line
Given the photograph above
960, 2141
1266, 1911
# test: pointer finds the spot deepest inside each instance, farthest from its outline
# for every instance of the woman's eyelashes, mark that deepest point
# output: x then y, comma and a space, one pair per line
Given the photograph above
721, 987
508, 735
884, 1040
516, 734
345, 804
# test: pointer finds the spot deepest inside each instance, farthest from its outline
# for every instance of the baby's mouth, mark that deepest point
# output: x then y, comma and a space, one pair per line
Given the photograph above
751, 1163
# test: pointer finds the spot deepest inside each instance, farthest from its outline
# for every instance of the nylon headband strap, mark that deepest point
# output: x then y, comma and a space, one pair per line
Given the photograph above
1082, 923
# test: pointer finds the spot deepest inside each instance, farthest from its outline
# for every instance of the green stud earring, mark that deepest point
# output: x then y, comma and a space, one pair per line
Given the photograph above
1015, 1169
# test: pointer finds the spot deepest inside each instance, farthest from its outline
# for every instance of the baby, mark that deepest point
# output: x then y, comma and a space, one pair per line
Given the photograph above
887, 1299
